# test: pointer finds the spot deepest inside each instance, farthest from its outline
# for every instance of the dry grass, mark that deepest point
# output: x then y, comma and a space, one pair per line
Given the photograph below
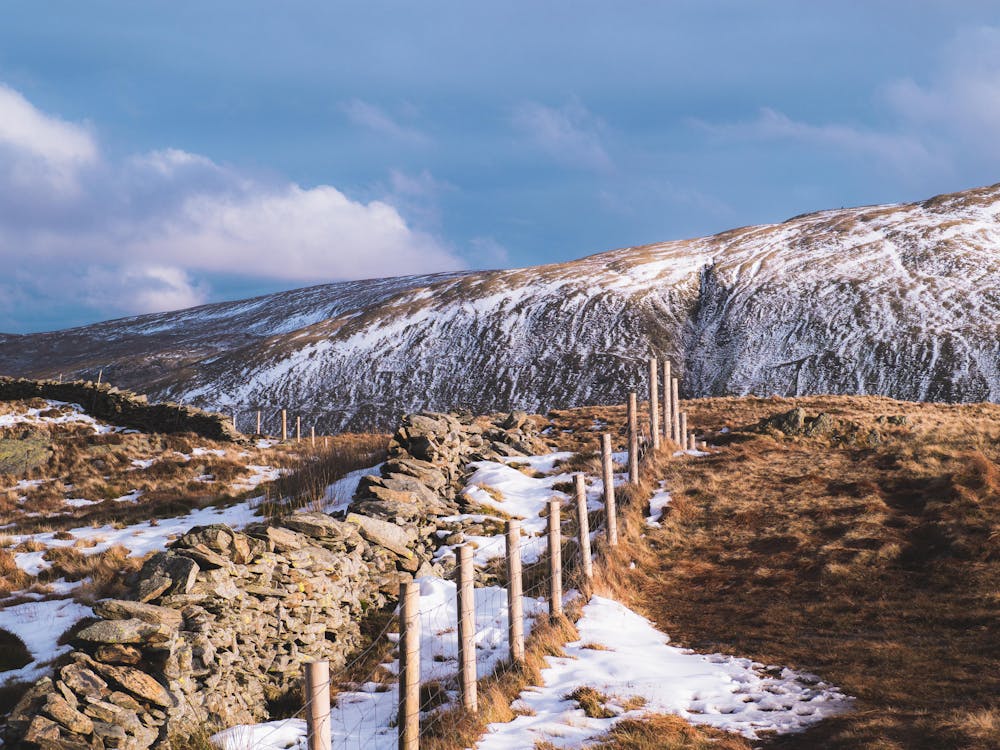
321, 467
668, 733
876, 566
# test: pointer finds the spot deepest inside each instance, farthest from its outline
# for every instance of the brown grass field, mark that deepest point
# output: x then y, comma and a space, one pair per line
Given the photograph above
869, 556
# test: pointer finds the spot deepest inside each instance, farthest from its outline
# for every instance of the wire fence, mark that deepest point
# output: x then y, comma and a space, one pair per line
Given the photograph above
385, 696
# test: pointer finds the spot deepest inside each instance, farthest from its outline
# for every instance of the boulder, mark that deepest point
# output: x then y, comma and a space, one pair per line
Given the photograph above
57, 708
132, 630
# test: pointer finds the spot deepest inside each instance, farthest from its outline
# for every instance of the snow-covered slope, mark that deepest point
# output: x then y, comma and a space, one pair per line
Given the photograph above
899, 300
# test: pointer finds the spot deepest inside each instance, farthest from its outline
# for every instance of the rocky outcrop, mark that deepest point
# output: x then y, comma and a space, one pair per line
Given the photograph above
222, 622
123, 408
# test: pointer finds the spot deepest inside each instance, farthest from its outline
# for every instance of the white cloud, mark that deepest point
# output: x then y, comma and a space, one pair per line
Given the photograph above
374, 118
142, 289
569, 134
960, 102
39, 152
133, 236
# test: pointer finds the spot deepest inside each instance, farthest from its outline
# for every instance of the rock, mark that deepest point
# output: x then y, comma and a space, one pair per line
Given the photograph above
206, 558
180, 571
121, 609
515, 420
385, 534
117, 653
57, 708
150, 588
284, 540
83, 681
42, 731
111, 735
137, 683
126, 631
217, 537
319, 526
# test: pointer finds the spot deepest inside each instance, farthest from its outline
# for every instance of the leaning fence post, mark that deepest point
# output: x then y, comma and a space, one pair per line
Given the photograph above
654, 403
608, 477
675, 408
409, 666
284, 425
466, 600
583, 521
555, 560
515, 610
666, 398
317, 674
633, 439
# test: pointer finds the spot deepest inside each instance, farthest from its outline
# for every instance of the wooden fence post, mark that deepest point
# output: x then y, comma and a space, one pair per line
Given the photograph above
312, 435
654, 403
466, 599
684, 431
235, 428
608, 476
633, 438
317, 674
555, 560
100, 375
675, 408
298, 429
515, 603
583, 521
409, 666
284, 425
666, 398
258, 423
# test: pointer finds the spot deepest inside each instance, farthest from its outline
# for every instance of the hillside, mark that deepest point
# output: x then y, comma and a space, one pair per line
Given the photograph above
897, 300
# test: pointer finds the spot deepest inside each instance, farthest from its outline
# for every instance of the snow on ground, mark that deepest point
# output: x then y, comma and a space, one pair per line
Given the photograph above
39, 625
140, 538
366, 717
339, 494
633, 661
657, 505
74, 416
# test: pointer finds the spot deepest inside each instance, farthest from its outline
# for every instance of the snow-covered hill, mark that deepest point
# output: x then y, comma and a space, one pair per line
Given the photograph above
900, 300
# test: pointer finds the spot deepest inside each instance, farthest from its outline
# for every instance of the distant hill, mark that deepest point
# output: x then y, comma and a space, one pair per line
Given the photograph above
899, 300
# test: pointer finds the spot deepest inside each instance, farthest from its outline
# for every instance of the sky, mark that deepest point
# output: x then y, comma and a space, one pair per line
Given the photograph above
160, 155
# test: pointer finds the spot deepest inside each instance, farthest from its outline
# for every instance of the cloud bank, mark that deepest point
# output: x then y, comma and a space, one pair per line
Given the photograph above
138, 235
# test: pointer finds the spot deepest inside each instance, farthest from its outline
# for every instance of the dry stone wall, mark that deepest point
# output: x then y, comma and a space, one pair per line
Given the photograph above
222, 621
124, 408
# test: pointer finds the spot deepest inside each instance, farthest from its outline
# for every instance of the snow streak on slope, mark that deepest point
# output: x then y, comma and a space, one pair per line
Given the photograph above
897, 300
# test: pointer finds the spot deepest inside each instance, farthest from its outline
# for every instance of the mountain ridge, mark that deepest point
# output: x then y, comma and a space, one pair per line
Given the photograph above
899, 300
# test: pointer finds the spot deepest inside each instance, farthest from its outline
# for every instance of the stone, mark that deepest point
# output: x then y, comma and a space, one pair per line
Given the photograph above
515, 420
382, 533
111, 735
181, 572
318, 525
83, 681
42, 731
136, 682
150, 588
57, 708
121, 609
217, 537
284, 539
126, 631
118, 653
206, 558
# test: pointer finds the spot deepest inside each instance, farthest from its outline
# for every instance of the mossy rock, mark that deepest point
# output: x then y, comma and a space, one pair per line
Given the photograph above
18, 456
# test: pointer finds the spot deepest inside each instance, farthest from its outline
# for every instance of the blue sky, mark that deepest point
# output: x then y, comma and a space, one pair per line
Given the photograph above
159, 155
